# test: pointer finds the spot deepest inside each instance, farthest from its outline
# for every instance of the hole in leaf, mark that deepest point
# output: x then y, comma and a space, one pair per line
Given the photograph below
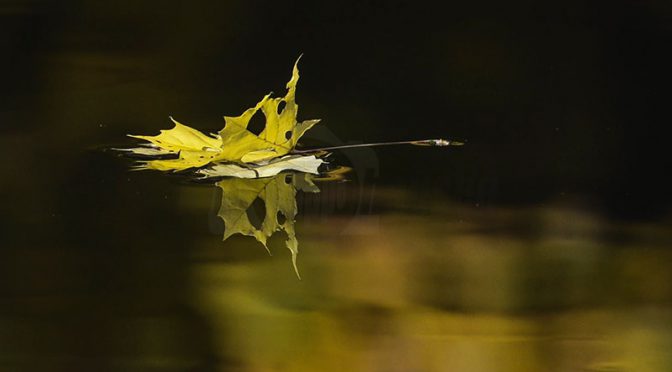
281, 107
256, 213
288, 134
281, 218
257, 123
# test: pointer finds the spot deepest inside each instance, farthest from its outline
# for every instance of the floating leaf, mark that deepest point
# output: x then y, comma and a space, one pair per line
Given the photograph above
191, 148
235, 143
281, 132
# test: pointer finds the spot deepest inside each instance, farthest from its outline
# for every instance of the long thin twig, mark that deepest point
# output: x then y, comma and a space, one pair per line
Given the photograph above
429, 142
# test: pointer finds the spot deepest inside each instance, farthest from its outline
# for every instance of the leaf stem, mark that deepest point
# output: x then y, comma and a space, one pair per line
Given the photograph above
430, 142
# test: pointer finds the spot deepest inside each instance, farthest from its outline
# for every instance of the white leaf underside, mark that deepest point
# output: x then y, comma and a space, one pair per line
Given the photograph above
306, 164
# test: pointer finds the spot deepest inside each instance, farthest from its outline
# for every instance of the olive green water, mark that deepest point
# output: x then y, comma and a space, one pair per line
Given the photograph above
136, 278
543, 244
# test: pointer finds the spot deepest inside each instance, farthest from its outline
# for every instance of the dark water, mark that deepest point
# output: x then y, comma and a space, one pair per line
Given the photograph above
541, 245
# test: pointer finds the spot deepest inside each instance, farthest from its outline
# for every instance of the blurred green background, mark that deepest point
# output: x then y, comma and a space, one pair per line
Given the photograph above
544, 244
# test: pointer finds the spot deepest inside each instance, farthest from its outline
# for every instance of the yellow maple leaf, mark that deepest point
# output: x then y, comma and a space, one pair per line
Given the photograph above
192, 148
235, 143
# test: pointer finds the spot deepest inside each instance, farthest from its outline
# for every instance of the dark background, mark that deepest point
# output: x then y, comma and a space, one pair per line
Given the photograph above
559, 203
553, 98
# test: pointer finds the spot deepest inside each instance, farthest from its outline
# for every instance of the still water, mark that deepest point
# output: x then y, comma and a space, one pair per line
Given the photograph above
497, 256
136, 277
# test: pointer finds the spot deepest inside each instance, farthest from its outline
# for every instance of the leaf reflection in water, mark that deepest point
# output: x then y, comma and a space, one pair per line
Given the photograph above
259, 207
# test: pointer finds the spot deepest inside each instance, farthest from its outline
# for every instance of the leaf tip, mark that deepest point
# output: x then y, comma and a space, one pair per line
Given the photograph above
177, 123
296, 269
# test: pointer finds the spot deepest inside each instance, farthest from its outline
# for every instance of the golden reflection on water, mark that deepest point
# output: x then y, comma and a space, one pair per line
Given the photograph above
411, 283
455, 289
260, 207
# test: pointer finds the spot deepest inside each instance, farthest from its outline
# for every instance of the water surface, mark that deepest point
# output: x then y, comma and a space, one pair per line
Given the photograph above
541, 245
